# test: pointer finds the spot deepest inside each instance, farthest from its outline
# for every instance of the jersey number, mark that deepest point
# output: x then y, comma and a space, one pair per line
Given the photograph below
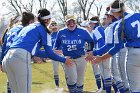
11, 39
71, 47
138, 25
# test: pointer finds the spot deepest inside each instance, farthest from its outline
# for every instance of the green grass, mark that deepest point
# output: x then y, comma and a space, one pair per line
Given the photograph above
42, 79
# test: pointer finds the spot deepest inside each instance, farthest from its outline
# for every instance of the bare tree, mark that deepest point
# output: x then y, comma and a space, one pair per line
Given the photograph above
28, 7
14, 6
133, 5
18, 6
84, 7
43, 3
63, 7
98, 7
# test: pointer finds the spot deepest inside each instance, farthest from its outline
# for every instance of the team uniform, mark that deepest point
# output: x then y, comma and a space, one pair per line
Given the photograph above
18, 58
8, 40
109, 31
122, 57
131, 33
97, 73
99, 41
73, 45
56, 63
89, 47
117, 60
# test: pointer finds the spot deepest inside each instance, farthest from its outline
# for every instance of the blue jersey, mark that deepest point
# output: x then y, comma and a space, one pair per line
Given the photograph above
73, 42
109, 38
98, 37
131, 33
54, 35
9, 38
32, 35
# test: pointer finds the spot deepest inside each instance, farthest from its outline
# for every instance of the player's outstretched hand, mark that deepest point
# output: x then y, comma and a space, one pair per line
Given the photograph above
96, 60
1, 67
89, 57
68, 62
38, 60
99, 59
59, 52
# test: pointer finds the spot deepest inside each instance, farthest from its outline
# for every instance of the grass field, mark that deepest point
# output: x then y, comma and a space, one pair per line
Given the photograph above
42, 79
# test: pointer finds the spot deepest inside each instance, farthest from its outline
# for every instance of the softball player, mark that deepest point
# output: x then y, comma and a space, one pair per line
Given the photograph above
107, 20
72, 40
130, 32
117, 81
11, 34
54, 29
89, 47
115, 71
17, 61
99, 41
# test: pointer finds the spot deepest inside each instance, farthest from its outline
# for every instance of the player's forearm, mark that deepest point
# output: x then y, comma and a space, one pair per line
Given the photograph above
106, 56
115, 49
50, 53
41, 53
103, 49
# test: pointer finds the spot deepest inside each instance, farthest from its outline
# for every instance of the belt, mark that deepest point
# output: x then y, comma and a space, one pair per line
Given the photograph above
136, 47
76, 57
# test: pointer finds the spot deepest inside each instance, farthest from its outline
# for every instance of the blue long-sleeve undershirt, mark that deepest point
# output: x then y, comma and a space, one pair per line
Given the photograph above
103, 50
116, 48
49, 53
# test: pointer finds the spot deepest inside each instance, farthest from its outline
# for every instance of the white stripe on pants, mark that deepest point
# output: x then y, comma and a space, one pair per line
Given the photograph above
133, 69
105, 68
122, 66
76, 72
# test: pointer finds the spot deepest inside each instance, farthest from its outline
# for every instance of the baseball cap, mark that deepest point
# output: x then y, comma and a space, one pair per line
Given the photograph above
70, 17
53, 22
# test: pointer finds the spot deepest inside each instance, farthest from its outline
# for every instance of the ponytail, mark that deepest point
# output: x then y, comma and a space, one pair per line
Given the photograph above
123, 23
120, 5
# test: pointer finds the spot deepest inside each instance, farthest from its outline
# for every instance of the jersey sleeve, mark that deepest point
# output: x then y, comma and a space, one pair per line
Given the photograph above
87, 37
103, 49
50, 53
118, 40
58, 41
41, 53
45, 37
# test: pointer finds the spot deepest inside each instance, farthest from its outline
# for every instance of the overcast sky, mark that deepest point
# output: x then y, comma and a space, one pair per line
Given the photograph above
4, 10
105, 3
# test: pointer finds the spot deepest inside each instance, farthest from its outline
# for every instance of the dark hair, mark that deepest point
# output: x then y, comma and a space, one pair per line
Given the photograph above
26, 17
41, 13
95, 18
119, 4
